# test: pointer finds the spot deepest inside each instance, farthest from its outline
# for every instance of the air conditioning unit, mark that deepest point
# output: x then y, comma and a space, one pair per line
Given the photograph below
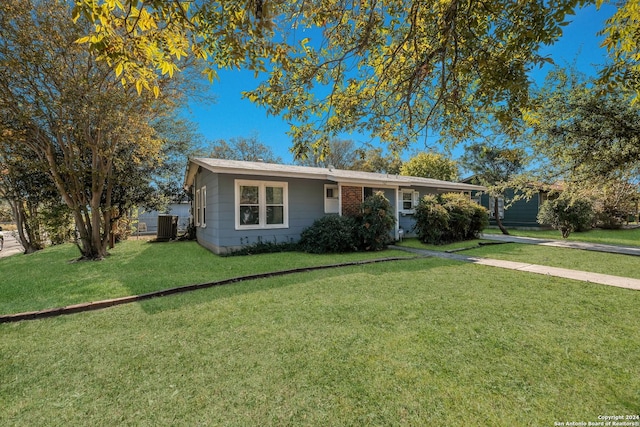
167, 227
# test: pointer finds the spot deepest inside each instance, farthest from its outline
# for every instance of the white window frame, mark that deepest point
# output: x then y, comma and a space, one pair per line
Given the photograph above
415, 199
262, 204
203, 206
329, 201
492, 207
197, 209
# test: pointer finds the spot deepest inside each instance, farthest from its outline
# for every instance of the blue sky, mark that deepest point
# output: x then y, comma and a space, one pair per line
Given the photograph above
231, 116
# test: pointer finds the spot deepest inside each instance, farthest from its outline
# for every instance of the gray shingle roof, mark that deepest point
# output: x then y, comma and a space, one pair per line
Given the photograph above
325, 174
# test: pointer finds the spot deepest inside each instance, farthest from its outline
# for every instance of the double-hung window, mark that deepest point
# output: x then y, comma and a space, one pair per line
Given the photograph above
261, 204
409, 199
196, 213
200, 214
203, 206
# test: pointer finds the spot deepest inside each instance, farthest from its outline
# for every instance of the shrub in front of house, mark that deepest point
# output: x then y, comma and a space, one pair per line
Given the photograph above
567, 213
376, 222
447, 218
330, 234
264, 247
370, 230
431, 220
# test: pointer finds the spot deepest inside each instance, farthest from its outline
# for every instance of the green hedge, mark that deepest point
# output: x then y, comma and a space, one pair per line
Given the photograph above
448, 218
369, 231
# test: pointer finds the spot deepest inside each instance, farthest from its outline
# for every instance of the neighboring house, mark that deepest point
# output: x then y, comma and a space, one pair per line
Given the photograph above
523, 213
148, 221
238, 203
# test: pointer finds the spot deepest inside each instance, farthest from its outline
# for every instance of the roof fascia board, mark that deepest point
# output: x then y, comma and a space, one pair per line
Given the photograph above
386, 181
257, 172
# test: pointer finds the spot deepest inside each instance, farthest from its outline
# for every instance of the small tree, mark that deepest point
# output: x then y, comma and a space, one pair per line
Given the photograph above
495, 168
249, 149
339, 153
567, 213
371, 159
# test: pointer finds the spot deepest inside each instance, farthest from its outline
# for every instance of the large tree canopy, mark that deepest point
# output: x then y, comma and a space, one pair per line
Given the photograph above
431, 165
584, 130
622, 40
389, 68
73, 114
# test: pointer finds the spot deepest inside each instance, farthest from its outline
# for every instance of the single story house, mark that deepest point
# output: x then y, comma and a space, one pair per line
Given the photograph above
238, 203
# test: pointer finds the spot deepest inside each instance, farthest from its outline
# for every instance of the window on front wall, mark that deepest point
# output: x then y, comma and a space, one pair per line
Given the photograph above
261, 204
492, 210
408, 201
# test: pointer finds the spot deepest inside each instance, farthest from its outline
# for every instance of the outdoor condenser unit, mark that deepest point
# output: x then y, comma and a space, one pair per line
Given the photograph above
167, 227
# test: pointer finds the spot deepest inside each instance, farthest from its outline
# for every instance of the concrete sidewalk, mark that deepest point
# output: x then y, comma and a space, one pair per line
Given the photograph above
11, 245
603, 279
597, 247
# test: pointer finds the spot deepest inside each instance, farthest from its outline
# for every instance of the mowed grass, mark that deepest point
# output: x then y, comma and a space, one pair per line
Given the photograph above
414, 342
595, 262
51, 278
623, 237
574, 259
419, 342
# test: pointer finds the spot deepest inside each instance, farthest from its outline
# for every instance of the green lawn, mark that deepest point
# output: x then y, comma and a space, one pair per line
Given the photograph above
420, 342
595, 262
629, 237
50, 278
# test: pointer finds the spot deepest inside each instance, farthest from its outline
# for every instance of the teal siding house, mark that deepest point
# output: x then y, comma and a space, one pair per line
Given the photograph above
521, 214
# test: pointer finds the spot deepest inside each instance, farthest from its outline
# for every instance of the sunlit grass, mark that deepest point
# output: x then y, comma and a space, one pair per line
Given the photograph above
622, 237
51, 278
596, 262
575, 259
421, 342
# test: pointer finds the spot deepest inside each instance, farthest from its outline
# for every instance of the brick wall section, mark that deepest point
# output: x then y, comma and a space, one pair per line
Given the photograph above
351, 200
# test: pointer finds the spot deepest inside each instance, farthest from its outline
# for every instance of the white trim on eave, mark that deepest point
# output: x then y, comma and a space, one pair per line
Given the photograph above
338, 176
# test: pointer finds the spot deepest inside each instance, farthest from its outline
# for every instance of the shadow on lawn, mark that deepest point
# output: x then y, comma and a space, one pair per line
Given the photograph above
306, 275
230, 288
223, 282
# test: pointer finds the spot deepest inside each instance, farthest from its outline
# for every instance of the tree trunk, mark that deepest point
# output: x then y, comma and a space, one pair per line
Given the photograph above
496, 214
24, 236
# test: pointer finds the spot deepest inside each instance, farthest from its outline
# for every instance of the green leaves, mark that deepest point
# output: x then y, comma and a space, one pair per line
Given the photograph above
395, 70
431, 165
585, 130
623, 44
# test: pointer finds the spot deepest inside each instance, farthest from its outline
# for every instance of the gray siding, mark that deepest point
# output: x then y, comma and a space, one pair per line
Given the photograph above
407, 221
210, 233
306, 203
